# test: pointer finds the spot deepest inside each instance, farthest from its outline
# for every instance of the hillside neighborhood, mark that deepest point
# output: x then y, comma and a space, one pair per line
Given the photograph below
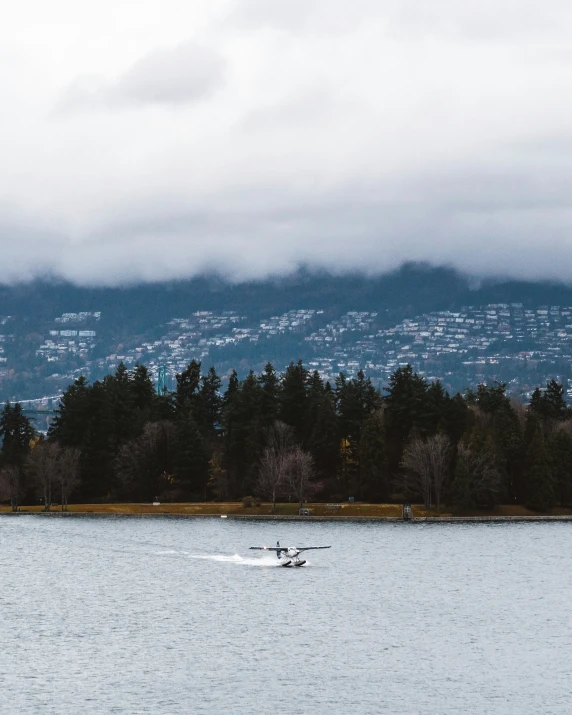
504, 342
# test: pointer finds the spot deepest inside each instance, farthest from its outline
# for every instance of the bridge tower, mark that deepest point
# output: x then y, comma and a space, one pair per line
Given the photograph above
162, 380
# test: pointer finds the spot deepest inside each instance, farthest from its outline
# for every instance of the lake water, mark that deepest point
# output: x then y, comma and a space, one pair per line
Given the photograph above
177, 616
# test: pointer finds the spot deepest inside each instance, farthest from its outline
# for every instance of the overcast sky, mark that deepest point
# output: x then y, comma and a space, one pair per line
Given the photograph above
156, 139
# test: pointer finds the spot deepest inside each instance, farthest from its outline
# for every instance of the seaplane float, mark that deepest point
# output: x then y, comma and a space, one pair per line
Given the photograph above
289, 556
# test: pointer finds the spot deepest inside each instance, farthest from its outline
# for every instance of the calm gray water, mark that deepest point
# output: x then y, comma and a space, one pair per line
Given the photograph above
177, 616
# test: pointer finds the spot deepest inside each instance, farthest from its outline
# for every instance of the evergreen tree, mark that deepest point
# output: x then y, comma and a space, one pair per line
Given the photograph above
188, 383
405, 411
251, 431
493, 404
243, 430
270, 394
508, 438
210, 404
315, 400
142, 390
554, 399
491, 398
550, 404
536, 402
559, 449
230, 418
118, 393
17, 433
374, 479
455, 417
539, 479
436, 403
324, 442
148, 405
122, 375
191, 459
72, 417
98, 446
356, 401
294, 398
232, 389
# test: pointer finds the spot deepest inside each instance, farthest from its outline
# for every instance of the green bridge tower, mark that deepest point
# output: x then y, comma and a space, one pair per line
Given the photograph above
162, 380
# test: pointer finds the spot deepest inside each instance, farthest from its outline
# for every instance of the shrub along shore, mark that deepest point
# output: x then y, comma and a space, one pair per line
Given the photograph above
289, 511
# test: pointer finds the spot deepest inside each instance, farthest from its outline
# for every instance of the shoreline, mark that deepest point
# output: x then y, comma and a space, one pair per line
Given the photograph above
292, 517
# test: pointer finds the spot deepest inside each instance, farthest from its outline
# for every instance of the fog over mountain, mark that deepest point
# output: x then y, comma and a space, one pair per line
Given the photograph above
159, 140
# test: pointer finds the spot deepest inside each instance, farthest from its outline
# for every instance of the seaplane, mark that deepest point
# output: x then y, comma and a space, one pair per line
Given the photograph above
289, 556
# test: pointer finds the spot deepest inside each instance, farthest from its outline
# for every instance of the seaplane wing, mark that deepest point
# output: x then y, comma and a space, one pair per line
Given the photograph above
284, 548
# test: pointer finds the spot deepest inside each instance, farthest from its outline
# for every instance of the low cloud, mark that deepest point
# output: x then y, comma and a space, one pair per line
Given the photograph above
336, 135
168, 76
474, 20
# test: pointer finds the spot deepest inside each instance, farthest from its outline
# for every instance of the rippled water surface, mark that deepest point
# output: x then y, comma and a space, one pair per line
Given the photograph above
177, 616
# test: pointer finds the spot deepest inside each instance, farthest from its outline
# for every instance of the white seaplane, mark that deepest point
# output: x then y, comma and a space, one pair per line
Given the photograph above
289, 556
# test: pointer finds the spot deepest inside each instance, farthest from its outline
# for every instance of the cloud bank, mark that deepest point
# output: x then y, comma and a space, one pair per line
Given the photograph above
166, 76
152, 140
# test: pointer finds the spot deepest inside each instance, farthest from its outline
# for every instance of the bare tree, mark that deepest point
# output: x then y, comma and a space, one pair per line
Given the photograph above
218, 478
143, 462
11, 485
425, 467
67, 472
300, 470
42, 466
564, 426
521, 412
440, 459
129, 462
481, 420
415, 476
275, 461
482, 477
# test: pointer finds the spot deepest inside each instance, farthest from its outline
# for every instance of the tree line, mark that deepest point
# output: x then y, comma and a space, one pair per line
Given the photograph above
291, 436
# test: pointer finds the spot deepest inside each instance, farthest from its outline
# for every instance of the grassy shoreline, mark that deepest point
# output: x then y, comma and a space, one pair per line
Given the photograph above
346, 511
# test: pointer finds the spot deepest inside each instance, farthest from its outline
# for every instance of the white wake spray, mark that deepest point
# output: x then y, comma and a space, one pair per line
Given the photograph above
237, 559
267, 560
